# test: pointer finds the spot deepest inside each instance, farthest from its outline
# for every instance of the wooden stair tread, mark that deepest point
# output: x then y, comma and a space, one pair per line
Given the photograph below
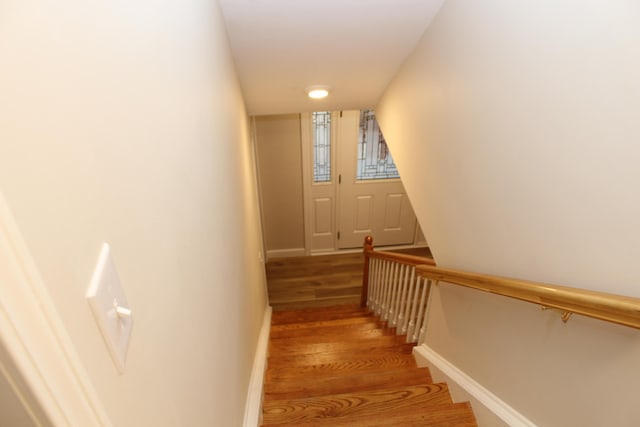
318, 314
345, 308
374, 402
322, 323
323, 330
296, 388
389, 353
333, 334
363, 345
310, 372
445, 415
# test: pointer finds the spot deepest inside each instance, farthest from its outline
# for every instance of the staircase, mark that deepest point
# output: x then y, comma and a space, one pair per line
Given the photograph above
340, 366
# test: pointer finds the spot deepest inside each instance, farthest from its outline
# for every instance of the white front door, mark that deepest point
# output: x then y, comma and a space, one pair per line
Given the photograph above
369, 203
343, 202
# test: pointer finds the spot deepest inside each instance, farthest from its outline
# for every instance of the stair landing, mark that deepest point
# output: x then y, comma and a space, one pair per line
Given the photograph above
340, 366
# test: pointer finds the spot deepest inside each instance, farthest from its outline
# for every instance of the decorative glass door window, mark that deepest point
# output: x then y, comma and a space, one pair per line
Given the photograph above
374, 159
321, 146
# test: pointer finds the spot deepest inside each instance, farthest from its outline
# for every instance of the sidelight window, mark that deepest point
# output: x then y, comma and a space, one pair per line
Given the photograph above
321, 146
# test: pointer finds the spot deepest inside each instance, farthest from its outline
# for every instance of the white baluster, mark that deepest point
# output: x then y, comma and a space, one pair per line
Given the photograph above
408, 300
400, 308
414, 306
424, 317
369, 284
375, 285
394, 295
383, 289
372, 283
387, 291
393, 314
423, 297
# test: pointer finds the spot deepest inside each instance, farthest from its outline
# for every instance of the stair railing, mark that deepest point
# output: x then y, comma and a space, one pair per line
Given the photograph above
396, 287
392, 289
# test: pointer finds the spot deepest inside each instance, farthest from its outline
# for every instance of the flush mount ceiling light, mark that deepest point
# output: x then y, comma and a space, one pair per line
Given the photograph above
317, 92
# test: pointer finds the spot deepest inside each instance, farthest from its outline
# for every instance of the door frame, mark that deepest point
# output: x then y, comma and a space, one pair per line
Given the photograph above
38, 355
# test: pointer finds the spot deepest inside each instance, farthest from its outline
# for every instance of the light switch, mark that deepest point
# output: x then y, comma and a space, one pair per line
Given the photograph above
110, 307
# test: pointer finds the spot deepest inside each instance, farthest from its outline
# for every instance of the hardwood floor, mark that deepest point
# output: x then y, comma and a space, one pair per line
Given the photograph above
319, 281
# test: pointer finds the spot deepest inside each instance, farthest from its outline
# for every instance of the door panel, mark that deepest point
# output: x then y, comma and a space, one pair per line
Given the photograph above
322, 220
363, 213
393, 207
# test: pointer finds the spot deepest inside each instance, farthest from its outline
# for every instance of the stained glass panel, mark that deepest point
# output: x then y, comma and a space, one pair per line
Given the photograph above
321, 146
374, 158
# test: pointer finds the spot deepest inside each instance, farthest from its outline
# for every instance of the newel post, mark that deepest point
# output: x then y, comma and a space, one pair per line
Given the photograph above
368, 248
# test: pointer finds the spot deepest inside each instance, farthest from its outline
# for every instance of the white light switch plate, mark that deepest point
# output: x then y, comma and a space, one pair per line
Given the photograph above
110, 308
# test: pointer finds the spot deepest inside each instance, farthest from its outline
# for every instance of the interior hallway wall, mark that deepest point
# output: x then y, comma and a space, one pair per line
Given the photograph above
124, 122
515, 128
280, 169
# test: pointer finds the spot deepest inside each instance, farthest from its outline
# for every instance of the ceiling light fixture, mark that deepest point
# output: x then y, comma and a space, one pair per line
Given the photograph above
317, 92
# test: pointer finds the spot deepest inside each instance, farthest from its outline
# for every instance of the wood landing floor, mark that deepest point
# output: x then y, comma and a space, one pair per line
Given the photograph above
319, 280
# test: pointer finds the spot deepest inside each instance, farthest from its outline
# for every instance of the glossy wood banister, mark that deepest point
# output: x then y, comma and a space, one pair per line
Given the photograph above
618, 309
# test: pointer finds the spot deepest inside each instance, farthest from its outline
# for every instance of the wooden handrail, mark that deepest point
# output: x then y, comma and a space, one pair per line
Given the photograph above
618, 309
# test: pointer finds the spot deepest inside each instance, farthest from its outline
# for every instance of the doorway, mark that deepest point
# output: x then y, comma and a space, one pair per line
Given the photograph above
351, 186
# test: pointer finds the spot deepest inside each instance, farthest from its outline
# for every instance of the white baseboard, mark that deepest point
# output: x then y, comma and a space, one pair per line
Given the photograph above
489, 409
253, 408
283, 253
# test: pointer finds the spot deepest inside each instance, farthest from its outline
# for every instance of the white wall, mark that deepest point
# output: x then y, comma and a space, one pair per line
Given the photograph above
515, 129
124, 122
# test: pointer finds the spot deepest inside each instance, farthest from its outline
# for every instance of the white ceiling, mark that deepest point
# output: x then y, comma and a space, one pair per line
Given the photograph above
354, 46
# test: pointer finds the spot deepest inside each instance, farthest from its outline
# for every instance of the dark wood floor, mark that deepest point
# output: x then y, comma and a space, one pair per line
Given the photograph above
318, 281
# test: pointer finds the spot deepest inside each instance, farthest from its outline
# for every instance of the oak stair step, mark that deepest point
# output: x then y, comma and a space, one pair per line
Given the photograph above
332, 364
394, 351
450, 415
318, 314
328, 330
289, 388
340, 366
373, 402
281, 348
326, 323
